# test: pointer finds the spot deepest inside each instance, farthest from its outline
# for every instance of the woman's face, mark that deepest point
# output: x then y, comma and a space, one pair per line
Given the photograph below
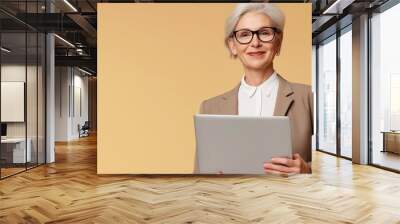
256, 54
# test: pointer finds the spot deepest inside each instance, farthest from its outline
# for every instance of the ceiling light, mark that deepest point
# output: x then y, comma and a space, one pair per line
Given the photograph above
65, 41
70, 5
338, 6
5, 50
84, 71
331, 7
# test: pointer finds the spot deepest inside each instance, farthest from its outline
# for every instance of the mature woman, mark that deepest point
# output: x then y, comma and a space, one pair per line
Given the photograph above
254, 34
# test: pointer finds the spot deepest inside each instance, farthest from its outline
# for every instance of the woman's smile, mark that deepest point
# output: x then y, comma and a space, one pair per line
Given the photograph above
256, 54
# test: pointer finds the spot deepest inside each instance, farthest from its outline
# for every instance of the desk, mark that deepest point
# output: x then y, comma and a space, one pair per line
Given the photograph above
391, 141
16, 151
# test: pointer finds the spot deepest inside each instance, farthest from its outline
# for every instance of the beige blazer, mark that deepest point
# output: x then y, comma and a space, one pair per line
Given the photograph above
293, 100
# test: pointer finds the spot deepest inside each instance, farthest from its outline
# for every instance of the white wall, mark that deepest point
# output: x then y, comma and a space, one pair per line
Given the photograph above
80, 84
9, 73
16, 73
13, 72
70, 84
62, 80
33, 127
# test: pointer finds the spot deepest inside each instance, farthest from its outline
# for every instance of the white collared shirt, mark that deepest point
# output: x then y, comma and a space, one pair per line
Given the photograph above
258, 100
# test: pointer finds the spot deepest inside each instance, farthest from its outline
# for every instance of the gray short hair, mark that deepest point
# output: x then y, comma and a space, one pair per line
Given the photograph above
276, 15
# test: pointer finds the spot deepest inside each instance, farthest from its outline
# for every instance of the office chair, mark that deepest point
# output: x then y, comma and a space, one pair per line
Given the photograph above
84, 130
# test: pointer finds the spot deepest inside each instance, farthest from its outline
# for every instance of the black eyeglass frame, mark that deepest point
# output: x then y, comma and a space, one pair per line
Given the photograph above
276, 30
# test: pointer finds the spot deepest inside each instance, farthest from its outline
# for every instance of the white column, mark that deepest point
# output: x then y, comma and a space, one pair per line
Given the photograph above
50, 110
50, 92
360, 90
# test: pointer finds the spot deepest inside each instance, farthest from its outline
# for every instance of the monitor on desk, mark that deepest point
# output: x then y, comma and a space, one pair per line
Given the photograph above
3, 130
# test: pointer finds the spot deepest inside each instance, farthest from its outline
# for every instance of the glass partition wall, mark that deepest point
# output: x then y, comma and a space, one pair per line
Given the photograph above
385, 89
345, 62
334, 94
326, 91
334, 88
22, 87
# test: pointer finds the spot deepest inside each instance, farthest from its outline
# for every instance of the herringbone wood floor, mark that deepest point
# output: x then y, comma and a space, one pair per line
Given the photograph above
69, 191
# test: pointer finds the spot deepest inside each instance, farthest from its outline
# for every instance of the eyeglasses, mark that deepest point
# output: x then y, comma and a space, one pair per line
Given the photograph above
264, 34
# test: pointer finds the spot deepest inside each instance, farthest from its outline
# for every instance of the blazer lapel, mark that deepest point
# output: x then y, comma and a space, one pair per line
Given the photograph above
230, 102
284, 99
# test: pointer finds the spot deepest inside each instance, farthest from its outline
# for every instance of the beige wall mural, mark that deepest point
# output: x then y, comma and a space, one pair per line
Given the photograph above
157, 63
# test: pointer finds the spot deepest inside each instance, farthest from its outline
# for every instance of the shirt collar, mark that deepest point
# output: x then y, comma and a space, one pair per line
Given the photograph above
267, 86
248, 89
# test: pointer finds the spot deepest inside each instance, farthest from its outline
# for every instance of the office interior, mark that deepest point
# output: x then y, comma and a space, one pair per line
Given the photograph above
46, 82
378, 85
49, 74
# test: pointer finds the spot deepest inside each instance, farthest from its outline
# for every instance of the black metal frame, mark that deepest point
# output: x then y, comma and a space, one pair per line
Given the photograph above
317, 96
257, 33
338, 98
369, 90
387, 5
339, 32
36, 164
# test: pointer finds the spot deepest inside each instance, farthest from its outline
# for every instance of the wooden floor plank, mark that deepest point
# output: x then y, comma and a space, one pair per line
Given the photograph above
70, 191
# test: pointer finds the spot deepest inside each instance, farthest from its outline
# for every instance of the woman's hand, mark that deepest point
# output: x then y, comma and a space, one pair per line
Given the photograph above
285, 166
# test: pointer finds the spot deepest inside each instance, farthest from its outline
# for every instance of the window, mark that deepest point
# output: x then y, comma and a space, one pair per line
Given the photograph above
346, 93
395, 102
22, 76
327, 96
385, 88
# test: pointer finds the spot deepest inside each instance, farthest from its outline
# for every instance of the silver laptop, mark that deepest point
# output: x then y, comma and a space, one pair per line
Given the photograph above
238, 144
